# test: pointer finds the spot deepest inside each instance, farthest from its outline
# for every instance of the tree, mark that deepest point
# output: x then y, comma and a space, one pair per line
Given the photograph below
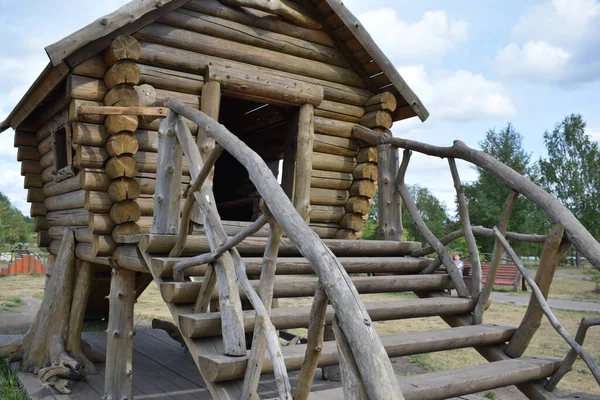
486, 196
572, 171
13, 226
430, 207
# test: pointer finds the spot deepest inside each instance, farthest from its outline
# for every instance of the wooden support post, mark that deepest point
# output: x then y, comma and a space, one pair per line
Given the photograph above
119, 348
210, 104
496, 257
267, 283
554, 249
304, 150
316, 329
390, 214
463, 210
167, 197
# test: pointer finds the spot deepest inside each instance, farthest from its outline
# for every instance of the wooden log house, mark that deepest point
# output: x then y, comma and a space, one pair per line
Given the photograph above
120, 169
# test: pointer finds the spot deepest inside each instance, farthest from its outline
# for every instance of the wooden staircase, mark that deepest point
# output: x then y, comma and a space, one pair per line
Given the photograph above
224, 374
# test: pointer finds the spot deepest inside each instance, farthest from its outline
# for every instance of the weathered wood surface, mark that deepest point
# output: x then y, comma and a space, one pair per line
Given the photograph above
206, 325
314, 346
187, 292
502, 225
216, 47
167, 197
162, 244
569, 360
153, 351
304, 148
481, 231
119, 348
557, 212
172, 57
101, 32
267, 87
463, 210
553, 251
163, 266
441, 251
396, 345
229, 301
390, 216
543, 303
228, 263
283, 8
267, 282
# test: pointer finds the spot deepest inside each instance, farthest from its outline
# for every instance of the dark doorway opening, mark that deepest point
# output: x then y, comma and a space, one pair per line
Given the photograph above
266, 129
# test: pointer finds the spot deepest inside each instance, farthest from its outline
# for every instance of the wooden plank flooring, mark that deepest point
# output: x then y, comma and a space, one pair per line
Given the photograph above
161, 370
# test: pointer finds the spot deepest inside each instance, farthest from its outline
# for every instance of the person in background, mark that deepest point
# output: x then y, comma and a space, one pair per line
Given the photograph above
459, 264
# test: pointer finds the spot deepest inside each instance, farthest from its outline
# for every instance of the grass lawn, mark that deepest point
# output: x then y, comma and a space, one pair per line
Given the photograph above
563, 289
9, 388
546, 342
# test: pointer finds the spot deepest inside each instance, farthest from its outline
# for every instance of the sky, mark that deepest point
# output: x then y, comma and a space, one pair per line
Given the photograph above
476, 65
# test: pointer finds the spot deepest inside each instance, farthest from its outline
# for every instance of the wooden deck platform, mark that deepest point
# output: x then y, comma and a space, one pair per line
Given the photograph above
161, 370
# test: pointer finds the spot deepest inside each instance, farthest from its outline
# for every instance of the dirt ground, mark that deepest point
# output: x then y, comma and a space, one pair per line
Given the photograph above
546, 342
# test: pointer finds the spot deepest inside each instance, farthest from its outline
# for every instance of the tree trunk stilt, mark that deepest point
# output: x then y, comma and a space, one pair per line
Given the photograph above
51, 346
119, 350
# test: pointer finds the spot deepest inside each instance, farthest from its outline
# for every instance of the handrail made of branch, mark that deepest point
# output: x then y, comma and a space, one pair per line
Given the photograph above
566, 365
558, 213
440, 249
480, 231
375, 368
465, 220
580, 351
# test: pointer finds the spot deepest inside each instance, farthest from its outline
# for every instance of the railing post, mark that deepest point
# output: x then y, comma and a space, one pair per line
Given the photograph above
390, 206
496, 257
167, 197
554, 249
304, 150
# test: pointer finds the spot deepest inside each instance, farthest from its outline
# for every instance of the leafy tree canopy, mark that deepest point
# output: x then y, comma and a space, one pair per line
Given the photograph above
572, 170
14, 227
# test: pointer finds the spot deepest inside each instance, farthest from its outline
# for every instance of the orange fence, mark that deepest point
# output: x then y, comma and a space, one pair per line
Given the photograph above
26, 264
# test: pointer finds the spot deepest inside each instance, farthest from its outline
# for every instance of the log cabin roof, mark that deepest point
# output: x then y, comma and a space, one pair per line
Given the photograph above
366, 58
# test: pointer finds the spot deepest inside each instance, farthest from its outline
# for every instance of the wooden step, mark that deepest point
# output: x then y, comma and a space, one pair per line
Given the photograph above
477, 378
163, 266
468, 380
218, 367
209, 324
255, 246
187, 292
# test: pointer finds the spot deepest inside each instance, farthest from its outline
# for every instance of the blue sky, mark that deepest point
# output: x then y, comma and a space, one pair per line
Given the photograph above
476, 65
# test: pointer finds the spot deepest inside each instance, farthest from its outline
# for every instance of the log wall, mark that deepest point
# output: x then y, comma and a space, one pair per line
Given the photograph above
176, 56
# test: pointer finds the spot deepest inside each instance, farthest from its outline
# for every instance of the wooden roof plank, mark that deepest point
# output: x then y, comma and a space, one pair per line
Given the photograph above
130, 13
379, 57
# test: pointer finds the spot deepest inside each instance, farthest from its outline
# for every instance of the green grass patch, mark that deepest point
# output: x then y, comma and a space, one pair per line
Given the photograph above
11, 304
9, 387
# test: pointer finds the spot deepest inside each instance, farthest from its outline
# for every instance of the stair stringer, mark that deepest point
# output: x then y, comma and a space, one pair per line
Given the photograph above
228, 390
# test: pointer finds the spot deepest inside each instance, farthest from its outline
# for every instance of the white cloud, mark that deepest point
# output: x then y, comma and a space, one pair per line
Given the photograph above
534, 60
434, 35
556, 41
459, 95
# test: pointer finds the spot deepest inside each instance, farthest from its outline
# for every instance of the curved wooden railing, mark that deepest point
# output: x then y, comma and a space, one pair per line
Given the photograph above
366, 357
566, 231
